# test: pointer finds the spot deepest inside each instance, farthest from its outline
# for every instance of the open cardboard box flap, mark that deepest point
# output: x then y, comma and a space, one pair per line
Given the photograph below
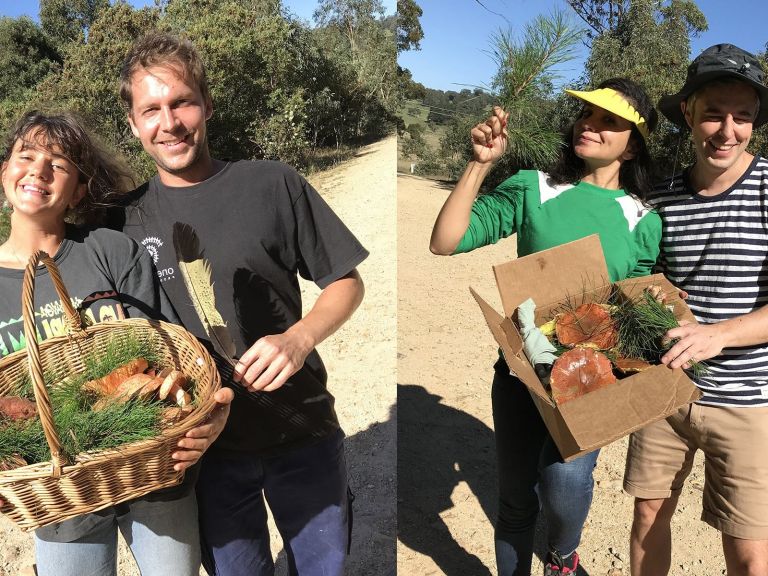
578, 270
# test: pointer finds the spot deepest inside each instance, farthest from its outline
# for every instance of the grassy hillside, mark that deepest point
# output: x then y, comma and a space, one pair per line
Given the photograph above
414, 112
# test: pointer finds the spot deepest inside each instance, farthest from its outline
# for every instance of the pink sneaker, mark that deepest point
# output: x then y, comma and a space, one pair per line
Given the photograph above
557, 565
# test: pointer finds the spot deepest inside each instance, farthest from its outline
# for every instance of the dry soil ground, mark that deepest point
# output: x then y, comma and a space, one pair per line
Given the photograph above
446, 462
361, 361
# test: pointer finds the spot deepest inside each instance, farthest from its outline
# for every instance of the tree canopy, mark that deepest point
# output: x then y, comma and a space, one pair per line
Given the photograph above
280, 88
409, 31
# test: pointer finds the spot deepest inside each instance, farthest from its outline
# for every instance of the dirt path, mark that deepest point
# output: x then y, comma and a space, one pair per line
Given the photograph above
361, 363
446, 458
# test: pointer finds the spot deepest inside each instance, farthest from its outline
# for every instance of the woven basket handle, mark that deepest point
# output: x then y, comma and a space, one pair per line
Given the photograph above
58, 460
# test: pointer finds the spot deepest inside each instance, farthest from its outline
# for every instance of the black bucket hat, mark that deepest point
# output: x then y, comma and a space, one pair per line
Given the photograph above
718, 61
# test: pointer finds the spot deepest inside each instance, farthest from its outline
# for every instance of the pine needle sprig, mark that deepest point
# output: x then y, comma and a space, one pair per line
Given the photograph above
80, 428
118, 351
642, 324
25, 438
524, 81
525, 66
23, 386
112, 426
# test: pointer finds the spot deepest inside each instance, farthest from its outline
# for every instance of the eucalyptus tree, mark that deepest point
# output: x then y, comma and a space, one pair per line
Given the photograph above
68, 20
358, 38
650, 43
409, 30
27, 55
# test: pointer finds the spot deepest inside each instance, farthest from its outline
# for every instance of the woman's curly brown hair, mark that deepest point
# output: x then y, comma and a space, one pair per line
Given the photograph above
102, 170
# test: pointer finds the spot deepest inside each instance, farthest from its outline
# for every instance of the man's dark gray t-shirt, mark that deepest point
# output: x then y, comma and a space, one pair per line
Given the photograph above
259, 224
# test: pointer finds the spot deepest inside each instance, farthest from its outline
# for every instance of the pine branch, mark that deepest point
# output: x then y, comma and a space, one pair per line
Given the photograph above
643, 323
533, 146
526, 66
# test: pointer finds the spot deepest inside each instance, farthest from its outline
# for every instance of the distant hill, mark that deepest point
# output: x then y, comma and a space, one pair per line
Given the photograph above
444, 105
428, 120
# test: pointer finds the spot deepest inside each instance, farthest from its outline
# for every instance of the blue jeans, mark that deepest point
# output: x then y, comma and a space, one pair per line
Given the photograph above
533, 476
162, 536
308, 494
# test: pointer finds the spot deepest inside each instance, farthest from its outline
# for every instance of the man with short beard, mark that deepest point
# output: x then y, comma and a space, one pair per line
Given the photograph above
259, 224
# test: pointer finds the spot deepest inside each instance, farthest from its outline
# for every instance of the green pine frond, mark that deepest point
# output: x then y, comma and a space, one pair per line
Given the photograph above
643, 322
525, 67
81, 429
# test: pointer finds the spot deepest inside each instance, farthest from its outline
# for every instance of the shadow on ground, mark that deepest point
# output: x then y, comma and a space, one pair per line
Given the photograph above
438, 447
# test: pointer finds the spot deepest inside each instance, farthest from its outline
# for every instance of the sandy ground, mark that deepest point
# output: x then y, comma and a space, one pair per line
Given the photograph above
361, 362
446, 455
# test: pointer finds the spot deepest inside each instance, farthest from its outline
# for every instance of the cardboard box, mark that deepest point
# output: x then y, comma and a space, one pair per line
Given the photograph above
577, 271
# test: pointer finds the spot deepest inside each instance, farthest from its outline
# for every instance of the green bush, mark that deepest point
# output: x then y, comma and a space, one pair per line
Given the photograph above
5, 223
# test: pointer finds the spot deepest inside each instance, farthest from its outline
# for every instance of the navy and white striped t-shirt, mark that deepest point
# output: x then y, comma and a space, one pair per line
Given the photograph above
716, 249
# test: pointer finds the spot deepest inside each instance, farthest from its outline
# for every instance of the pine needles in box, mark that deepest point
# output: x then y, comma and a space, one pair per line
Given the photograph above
600, 339
643, 322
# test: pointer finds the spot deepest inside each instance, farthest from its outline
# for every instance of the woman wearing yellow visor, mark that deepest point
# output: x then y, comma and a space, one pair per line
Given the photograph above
598, 186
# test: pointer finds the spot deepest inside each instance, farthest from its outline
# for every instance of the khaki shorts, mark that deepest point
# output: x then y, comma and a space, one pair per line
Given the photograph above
735, 446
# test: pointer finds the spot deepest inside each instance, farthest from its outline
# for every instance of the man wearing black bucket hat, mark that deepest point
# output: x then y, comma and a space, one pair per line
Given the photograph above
715, 247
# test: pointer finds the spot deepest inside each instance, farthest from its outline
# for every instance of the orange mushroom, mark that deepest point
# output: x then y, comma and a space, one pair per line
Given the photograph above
17, 408
132, 386
11, 462
588, 325
579, 371
107, 385
629, 365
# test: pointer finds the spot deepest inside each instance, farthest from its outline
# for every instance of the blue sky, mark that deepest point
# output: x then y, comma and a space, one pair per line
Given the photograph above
457, 35
301, 8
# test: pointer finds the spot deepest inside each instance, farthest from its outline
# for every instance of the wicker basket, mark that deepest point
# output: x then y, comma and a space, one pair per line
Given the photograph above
40, 494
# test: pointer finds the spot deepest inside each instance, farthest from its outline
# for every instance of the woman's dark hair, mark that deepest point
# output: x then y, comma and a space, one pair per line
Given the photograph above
635, 175
100, 169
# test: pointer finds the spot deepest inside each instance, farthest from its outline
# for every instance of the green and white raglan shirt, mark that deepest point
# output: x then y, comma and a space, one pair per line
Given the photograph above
545, 215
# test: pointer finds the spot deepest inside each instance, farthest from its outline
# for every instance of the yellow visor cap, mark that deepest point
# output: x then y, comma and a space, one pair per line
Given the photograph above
613, 101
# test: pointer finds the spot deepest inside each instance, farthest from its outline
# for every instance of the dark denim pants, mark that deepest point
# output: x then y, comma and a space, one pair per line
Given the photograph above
308, 494
533, 476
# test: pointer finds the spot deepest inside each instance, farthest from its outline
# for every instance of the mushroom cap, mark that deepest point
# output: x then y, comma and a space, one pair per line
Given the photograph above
174, 379
589, 324
132, 387
107, 385
11, 462
628, 365
579, 371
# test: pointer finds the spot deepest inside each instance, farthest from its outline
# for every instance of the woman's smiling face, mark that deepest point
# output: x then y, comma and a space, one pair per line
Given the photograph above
39, 181
600, 137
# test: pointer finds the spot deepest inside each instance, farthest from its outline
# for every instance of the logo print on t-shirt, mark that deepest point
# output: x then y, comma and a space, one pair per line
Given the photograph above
152, 244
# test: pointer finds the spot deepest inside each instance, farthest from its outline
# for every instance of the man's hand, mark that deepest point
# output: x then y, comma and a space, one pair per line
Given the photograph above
199, 439
696, 342
273, 359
